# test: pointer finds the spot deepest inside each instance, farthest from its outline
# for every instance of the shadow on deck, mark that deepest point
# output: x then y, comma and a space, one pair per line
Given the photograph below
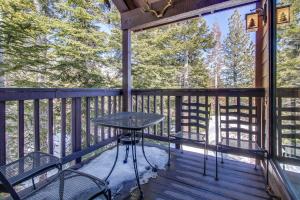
184, 180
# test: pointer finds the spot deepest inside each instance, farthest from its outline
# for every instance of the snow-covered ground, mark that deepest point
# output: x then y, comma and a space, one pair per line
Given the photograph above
101, 165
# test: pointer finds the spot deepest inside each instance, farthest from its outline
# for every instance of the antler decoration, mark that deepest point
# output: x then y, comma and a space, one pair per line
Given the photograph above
159, 13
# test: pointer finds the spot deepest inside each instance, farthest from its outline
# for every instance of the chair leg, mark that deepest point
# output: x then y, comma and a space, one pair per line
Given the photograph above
33, 184
204, 160
216, 178
126, 154
222, 158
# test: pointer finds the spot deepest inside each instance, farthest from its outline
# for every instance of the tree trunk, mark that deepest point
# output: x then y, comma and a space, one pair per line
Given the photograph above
2, 78
185, 71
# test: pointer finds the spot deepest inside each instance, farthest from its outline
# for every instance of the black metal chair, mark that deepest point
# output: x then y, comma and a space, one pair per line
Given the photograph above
66, 184
239, 133
194, 121
28, 167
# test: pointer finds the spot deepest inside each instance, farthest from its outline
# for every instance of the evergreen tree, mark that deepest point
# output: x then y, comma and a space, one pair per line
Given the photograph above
239, 55
172, 56
288, 54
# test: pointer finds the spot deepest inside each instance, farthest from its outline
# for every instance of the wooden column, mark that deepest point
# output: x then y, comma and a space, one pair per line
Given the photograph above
126, 62
259, 49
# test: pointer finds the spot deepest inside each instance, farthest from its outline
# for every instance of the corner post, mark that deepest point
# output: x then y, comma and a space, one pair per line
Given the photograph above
126, 65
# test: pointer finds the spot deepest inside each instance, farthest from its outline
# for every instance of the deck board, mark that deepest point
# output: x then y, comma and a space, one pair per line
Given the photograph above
184, 180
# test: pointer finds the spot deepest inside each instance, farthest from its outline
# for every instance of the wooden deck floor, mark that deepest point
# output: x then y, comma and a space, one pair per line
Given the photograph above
183, 180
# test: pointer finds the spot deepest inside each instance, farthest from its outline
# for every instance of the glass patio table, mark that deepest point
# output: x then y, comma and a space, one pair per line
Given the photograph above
131, 123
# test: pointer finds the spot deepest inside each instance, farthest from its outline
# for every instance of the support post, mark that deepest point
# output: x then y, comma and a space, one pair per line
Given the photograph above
178, 113
126, 61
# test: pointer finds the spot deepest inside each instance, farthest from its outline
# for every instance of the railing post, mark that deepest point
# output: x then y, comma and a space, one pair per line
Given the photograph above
50, 125
21, 128
76, 126
2, 134
36, 114
178, 111
126, 61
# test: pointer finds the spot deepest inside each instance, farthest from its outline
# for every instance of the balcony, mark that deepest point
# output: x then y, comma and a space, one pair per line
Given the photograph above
263, 120
57, 113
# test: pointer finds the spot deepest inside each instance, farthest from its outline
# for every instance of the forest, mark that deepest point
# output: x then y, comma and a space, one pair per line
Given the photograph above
77, 43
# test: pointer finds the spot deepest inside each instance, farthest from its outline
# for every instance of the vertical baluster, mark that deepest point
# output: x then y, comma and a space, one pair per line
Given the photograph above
120, 103
136, 103
142, 104
239, 118
217, 118
63, 127
178, 115
96, 115
250, 119
189, 118
2, 134
21, 128
109, 112
259, 123
50, 125
36, 114
169, 115
198, 122
162, 125
102, 113
207, 120
114, 111
217, 132
88, 120
227, 117
148, 110
154, 110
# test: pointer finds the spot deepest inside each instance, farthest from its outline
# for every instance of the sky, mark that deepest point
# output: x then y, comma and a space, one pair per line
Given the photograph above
222, 19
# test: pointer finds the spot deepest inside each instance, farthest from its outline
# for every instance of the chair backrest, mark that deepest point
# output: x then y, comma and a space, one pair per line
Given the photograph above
239, 120
195, 117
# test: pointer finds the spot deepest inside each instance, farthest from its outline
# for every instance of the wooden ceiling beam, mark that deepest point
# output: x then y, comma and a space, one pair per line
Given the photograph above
121, 5
137, 19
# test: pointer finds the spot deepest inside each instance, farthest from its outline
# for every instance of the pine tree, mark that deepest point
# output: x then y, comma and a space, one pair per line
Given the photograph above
288, 53
239, 55
172, 56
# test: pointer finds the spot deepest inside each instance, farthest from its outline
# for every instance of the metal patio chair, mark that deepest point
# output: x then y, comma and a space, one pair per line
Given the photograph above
28, 167
194, 121
66, 184
239, 133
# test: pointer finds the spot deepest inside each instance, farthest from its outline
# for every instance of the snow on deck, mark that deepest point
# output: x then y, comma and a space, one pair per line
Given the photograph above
101, 165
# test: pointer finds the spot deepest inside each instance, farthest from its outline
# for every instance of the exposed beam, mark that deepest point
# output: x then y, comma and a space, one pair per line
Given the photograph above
137, 19
121, 6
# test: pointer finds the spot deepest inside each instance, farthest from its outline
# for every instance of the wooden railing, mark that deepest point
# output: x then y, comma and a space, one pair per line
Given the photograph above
288, 124
35, 119
63, 113
168, 102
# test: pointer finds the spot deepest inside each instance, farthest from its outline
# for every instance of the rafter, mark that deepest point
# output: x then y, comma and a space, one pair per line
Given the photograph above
137, 19
121, 6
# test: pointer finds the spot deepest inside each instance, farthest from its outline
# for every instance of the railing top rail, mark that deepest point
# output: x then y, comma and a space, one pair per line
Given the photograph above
12, 94
242, 92
288, 92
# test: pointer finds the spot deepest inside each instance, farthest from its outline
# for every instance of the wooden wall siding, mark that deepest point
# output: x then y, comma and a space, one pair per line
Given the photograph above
171, 101
262, 67
58, 109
